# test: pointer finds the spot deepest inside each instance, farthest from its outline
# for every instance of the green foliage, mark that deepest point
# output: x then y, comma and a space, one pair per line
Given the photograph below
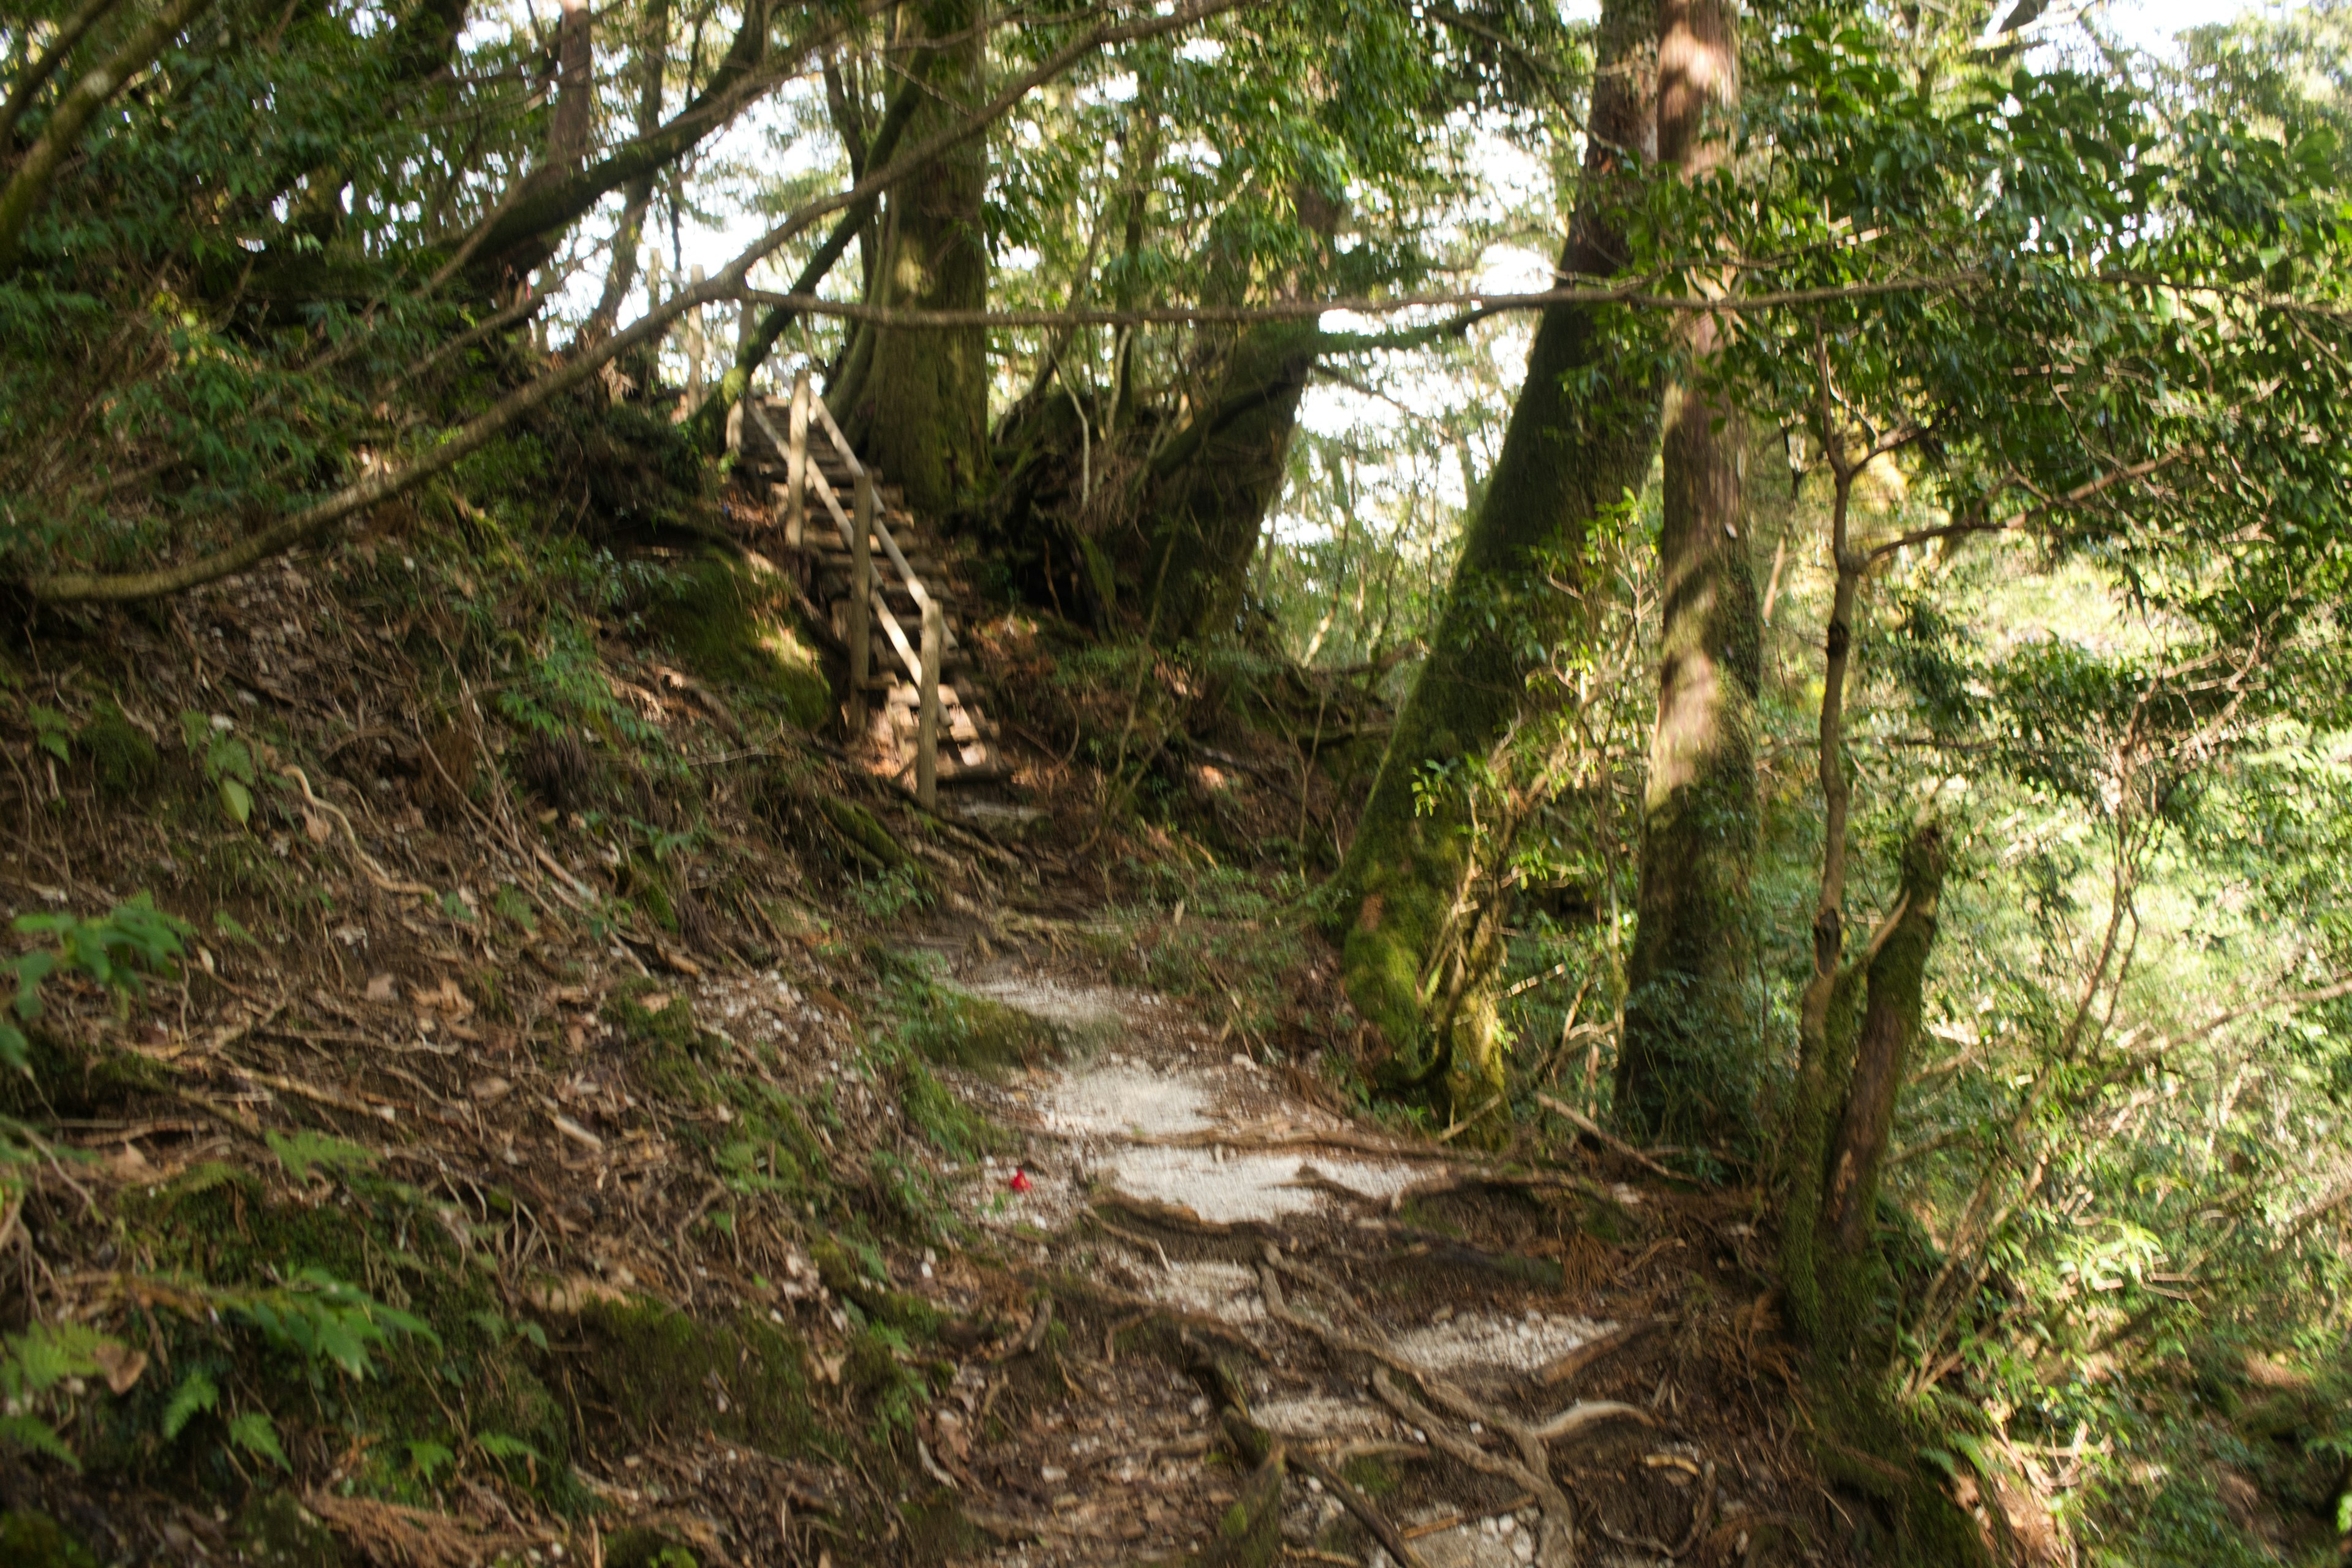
115, 949
196, 1395
320, 1318
32, 1367
226, 762
256, 1434
884, 898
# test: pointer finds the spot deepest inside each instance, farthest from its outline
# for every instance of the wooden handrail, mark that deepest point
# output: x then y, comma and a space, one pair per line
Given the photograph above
815, 479
924, 667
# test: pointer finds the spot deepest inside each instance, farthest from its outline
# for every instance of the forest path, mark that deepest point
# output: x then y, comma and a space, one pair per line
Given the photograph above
1458, 1347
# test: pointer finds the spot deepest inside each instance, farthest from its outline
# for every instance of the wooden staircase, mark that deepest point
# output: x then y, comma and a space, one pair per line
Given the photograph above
792, 447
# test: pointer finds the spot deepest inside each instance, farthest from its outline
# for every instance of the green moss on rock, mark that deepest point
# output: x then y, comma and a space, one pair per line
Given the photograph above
733, 625
275, 1531
657, 1368
124, 762
30, 1539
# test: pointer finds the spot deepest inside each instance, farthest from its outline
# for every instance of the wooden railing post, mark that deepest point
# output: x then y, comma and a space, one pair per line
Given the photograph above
796, 464
926, 727
861, 602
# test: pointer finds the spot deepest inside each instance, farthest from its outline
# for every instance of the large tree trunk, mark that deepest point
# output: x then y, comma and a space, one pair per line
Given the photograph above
1685, 1068
1579, 439
1213, 484
923, 411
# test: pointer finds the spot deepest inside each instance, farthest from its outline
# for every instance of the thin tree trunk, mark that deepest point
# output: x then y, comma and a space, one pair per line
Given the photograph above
575, 89
1580, 438
751, 350
1685, 1065
1890, 1024
1818, 1064
652, 57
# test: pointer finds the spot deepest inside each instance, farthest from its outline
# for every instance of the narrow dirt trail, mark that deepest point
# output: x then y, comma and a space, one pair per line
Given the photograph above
1259, 1331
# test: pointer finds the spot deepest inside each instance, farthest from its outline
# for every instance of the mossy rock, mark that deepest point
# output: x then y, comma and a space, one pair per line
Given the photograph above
218, 1225
734, 627
646, 1549
124, 760
30, 1539
665, 1040
275, 1531
658, 1369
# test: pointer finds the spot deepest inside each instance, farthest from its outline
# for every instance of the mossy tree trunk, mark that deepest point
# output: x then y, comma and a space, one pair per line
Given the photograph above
1882, 1055
1579, 439
1848, 1088
922, 412
1685, 1067
1213, 484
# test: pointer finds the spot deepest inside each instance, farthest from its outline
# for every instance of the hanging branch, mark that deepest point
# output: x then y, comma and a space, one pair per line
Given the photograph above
25, 192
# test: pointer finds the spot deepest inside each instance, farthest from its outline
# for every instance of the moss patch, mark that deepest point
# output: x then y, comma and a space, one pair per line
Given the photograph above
30, 1539
124, 762
274, 1531
655, 1369
948, 1024
733, 625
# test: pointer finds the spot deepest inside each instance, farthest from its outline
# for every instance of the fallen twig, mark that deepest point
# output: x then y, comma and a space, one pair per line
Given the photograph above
1584, 1124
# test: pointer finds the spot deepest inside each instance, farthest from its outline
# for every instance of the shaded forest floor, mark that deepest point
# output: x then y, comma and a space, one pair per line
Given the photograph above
592, 1121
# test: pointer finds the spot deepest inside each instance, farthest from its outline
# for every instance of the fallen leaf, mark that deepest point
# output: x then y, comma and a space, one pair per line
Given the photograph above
383, 988
317, 828
122, 1365
489, 1091
350, 935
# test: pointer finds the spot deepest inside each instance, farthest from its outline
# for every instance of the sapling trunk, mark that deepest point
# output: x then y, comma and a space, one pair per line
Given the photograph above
1890, 1026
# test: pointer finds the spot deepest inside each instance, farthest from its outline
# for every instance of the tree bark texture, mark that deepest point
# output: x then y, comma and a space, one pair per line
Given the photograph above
923, 417
1686, 1064
1210, 502
1579, 439
575, 89
1881, 1054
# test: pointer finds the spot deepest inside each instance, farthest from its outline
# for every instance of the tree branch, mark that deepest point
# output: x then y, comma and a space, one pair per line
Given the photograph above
39, 73
25, 192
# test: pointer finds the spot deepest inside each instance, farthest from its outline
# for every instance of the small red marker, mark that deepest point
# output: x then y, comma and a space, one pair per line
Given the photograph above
1020, 1182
